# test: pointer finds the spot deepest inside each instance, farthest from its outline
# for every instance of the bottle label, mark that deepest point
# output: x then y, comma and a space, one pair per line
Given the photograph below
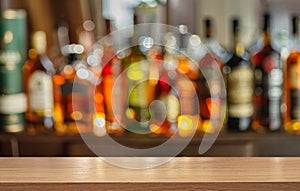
240, 85
268, 91
12, 123
295, 104
293, 77
13, 104
240, 110
240, 92
40, 92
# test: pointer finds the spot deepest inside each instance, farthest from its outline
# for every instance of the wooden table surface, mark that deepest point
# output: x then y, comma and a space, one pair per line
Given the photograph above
178, 174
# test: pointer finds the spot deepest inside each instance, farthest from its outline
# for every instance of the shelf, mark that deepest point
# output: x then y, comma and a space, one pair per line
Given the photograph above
227, 144
246, 174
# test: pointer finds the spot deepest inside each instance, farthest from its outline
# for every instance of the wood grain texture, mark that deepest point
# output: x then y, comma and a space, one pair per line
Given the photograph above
188, 170
152, 186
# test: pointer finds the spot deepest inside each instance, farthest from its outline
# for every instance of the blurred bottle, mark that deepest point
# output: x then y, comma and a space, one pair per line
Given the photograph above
292, 83
188, 120
72, 96
239, 85
268, 79
111, 92
160, 79
138, 92
12, 57
38, 72
219, 53
211, 60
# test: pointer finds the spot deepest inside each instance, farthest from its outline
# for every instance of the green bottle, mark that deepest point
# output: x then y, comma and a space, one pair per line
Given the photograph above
12, 56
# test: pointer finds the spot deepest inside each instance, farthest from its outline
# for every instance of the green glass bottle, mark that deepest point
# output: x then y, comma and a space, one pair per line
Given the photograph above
12, 56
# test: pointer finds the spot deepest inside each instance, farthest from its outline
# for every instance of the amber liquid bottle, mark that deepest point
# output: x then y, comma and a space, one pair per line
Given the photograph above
268, 79
111, 91
160, 83
138, 97
187, 74
38, 73
292, 84
213, 59
72, 91
239, 86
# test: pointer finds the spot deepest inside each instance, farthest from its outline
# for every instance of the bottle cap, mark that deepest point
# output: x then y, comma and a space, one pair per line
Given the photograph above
235, 25
295, 25
267, 21
39, 41
208, 27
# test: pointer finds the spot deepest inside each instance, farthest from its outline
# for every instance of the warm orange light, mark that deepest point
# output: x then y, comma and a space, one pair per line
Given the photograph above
209, 104
183, 66
59, 80
98, 98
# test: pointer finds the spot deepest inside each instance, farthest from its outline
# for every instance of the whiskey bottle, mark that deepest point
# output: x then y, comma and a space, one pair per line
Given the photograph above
239, 85
160, 81
111, 91
136, 67
12, 57
268, 80
38, 72
211, 60
166, 90
291, 83
72, 90
187, 71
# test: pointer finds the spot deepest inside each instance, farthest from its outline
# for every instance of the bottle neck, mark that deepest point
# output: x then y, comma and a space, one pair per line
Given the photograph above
239, 48
267, 38
295, 32
295, 42
267, 30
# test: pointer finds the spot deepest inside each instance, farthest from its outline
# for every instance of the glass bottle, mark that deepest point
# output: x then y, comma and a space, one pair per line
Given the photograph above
38, 72
239, 85
291, 83
12, 57
73, 91
268, 79
162, 76
138, 94
111, 65
187, 74
211, 58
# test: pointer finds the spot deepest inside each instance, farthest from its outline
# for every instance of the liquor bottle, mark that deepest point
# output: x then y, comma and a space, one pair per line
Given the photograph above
211, 59
161, 81
219, 53
111, 65
38, 72
239, 85
188, 120
12, 57
136, 67
268, 79
291, 83
166, 92
72, 91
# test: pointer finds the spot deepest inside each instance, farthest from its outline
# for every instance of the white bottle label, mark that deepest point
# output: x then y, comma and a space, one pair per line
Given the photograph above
13, 104
40, 92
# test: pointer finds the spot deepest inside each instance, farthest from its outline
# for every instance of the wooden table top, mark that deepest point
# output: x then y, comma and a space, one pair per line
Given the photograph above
35, 173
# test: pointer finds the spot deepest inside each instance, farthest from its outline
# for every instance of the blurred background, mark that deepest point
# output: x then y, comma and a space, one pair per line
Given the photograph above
71, 27
45, 14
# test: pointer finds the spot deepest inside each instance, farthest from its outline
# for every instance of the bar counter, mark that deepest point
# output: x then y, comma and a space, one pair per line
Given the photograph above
201, 173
